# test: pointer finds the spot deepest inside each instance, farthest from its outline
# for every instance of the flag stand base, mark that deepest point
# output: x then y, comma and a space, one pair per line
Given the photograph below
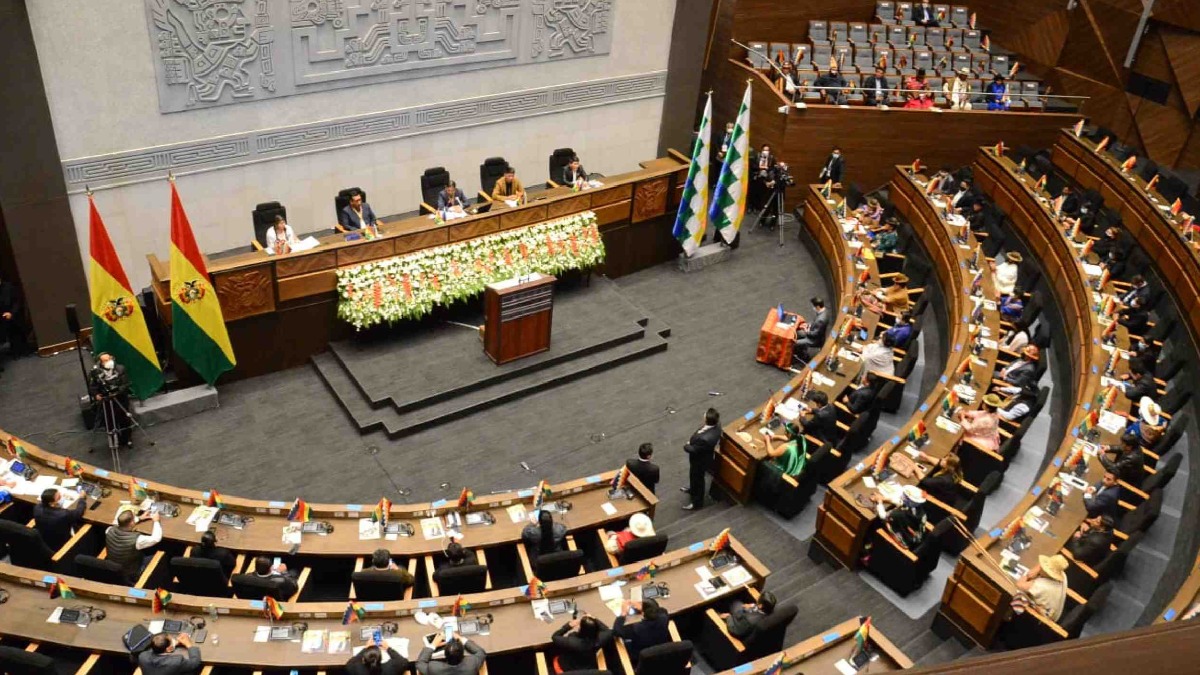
175, 405
708, 254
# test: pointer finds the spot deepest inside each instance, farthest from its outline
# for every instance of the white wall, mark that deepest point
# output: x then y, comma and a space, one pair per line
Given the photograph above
96, 61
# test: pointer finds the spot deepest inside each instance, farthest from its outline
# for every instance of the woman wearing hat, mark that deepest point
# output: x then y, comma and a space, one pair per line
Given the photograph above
640, 527
982, 427
997, 93
1046, 585
895, 297
885, 238
1021, 372
870, 212
959, 90
906, 522
1004, 275
1150, 424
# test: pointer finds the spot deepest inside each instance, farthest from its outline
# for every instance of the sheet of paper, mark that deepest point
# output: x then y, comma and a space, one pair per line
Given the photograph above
202, 517
69, 483
45, 481
614, 606
339, 642
53, 618
306, 244
1111, 422
517, 513
612, 591
736, 575
156, 626
540, 608
609, 509
845, 668
313, 641
947, 425
399, 644
1092, 270
869, 482
705, 572
431, 528
369, 529
291, 534
261, 633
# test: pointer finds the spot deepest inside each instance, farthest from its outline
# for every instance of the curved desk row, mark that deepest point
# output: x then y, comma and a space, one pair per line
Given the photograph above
978, 594
846, 518
820, 654
231, 641
591, 508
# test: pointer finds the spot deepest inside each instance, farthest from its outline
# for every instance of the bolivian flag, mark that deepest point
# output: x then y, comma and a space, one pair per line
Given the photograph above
118, 326
199, 335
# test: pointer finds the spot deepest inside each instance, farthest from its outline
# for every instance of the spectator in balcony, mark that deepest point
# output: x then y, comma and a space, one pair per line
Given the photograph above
836, 87
875, 88
924, 15
958, 90
997, 93
918, 95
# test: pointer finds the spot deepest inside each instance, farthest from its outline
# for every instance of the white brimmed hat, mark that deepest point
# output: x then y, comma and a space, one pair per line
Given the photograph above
641, 525
1149, 410
914, 494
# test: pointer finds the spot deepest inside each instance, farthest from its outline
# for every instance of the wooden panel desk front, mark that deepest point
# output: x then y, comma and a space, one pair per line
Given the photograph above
231, 636
819, 654
977, 596
519, 318
266, 297
844, 520
263, 534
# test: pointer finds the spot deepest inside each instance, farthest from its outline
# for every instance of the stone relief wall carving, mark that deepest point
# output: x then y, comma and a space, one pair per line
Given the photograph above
217, 52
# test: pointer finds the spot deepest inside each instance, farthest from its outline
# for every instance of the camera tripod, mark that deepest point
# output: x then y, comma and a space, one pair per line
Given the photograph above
774, 208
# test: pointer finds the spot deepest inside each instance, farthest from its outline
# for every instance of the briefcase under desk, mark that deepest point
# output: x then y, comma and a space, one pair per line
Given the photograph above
518, 317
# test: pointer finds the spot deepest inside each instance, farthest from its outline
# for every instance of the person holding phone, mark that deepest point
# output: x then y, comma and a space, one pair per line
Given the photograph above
168, 656
577, 641
370, 660
460, 657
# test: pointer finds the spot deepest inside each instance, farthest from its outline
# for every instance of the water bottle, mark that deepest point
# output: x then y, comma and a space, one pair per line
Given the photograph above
211, 609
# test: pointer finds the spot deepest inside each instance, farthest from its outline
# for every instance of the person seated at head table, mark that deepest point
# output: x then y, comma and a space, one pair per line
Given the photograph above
280, 238
509, 188
879, 355
1046, 585
902, 332
357, 214
997, 94
168, 655
1004, 274
791, 456
1093, 541
943, 478
811, 335
53, 521
574, 173
209, 550
1012, 306
576, 643
652, 630
451, 199
982, 427
918, 95
906, 520
819, 420
1103, 497
1127, 460
869, 212
544, 535
860, 399
885, 238
836, 86
743, 618
1021, 372
1019, 407
640, 527
369, 661
459, 657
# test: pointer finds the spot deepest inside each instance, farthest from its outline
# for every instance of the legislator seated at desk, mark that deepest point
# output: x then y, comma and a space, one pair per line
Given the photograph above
170, 656
812, 335
267, 579
125, 544
383, 580
574, 173
370, 661
55, 522
509, 188
460, 657
1103, 498
281, 238
451, 199
209, 550
652, 630
544, 536
1093, 541
576, 643
357, 214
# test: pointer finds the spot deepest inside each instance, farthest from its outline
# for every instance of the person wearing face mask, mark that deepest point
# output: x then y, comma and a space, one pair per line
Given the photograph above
110, 389
762, 165
832, 169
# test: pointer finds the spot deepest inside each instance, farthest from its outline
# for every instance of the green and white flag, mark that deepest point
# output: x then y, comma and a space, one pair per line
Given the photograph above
692, 218
729, 200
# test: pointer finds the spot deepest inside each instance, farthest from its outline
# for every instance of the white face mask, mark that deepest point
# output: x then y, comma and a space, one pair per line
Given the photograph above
108, 365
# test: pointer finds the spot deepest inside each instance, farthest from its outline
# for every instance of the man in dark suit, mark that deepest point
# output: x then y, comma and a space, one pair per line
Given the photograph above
1135, 318
813, 335
860, 400
832, 87
923, 14
54, 522
962, 198
167, 656
1093, 541
357, 214
574, 172
832, 168
1102, 498
1070, 206
462, 657
277, 574
700, 449
821, 421
1140, 385
370, 661
1127, 461
645, 470
1138, 288
451, 199
875, 88
651, 631
742, 619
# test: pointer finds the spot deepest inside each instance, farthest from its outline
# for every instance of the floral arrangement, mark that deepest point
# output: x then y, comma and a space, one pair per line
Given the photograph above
409, 286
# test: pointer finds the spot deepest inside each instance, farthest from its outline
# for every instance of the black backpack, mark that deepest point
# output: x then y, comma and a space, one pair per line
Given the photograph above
137, 640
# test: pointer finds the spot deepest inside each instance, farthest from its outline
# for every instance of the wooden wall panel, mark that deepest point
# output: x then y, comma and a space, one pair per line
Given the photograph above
1163, 129
1183, 53
1181, 13
1085, 54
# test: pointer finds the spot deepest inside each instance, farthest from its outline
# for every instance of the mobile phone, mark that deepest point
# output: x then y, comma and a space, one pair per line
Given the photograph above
200, 635
448, 631
276, 561
377, 635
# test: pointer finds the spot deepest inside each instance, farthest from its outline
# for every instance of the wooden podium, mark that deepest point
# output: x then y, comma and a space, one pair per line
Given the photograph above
518, 317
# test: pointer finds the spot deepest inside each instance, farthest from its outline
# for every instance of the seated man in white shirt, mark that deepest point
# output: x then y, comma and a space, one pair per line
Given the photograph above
281, 238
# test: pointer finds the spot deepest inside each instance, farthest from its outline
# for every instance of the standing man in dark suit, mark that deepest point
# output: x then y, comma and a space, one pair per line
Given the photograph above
1102, 498
875, 88
700, 449
54, 522
357, 214
832, 169
574, 172
813, 335
645, 470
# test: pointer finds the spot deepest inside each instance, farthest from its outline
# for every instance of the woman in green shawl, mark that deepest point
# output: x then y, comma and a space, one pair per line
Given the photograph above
791, 456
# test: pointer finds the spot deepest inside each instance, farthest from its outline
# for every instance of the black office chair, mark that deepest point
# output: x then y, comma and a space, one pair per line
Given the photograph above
642, 549
200, 576
433, 181
1172, 188
379, 585
342, 200
970, 504
559, 159
1073, 620
1141, 518
558, 565
902, 570
461, 579
491, 171
1146, 168
1174, 433
20, 662
254, 587
1175, 399
263, 217
25, 547
104, 571
1083, 583
784, 494
1163, 475
767, 638
669, 658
